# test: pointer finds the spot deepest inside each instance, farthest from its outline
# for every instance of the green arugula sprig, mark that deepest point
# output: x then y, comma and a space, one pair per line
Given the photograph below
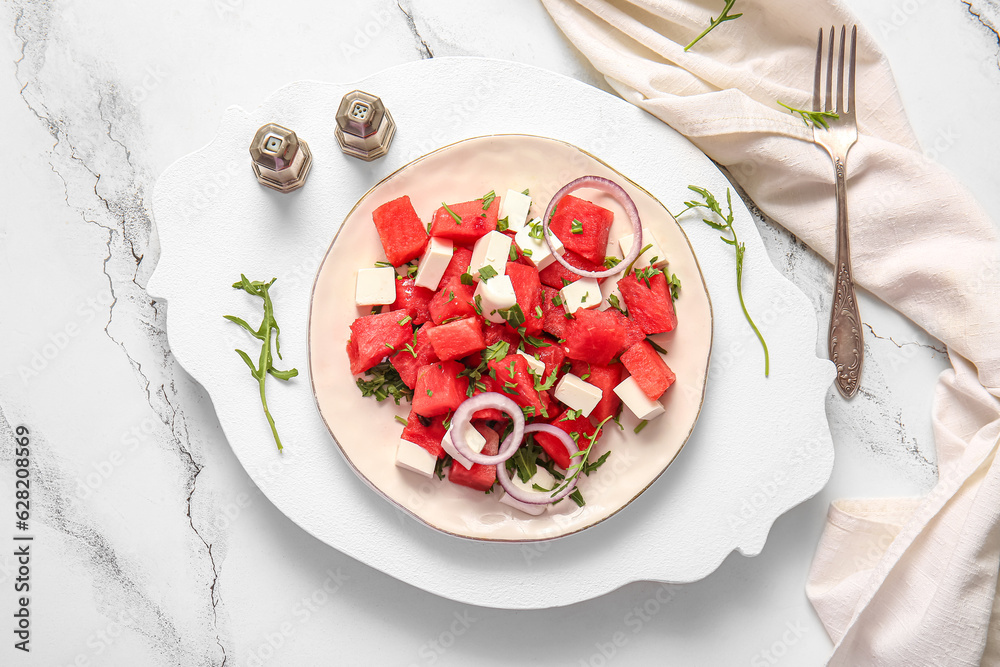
581, 463
712, 204
714, 23
817, 118
263, 333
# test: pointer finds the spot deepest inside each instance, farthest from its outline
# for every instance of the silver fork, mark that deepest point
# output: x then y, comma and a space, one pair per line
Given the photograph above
846, 342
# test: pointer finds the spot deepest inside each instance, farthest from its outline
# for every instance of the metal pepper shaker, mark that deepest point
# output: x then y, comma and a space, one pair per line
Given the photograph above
364, 126
280, 159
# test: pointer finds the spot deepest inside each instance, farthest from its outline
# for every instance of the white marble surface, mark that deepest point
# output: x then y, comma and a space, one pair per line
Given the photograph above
152, 545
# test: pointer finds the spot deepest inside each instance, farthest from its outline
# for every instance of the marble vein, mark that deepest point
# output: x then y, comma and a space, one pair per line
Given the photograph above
109, 192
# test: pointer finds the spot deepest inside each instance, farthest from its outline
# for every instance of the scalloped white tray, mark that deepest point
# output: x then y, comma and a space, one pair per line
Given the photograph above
761, 446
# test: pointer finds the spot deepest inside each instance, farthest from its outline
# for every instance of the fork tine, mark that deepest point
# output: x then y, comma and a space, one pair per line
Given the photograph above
853, 65
829, 74
817, 100
840, 71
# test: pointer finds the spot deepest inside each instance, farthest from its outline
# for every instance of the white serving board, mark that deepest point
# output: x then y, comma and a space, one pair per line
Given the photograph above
762, 445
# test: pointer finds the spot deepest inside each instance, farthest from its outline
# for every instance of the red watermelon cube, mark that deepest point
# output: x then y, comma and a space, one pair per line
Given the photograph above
606, 378
440, 388
374, 337
649, 305
510, 377
403, 236
478, 477
426, 432
646, 365
459, 264
475, 221
528, 289
503, 331
553, 355
558, 276
414, 300
583, 227
457, 339
556, 450
554, 319
407, 363
453, 299
633, 333
595, 336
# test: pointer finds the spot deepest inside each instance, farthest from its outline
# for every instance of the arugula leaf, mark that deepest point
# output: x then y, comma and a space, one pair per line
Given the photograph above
265, 365
712, 204
714, 23
817, 118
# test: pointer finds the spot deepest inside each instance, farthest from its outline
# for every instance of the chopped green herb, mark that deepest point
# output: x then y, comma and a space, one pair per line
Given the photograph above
557, 300
404, 320
576, 227
525, 192
675, 286
400, 420
613, 300
411, 270
571, 415
451, 296
457, 219
439, 467
384, 382
611, 261
646, 247
527, 252
389, 346
535, 229
538, 312
477, 303
591, 467
263, 333
383, 265
466, 279
512, 253
496, 351
503, 224
514, 316
488, 199
655, 346
548, 382
487, 272
641, 426
430, 392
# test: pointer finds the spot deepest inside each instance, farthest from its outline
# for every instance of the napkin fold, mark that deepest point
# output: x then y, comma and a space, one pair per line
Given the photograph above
895, 581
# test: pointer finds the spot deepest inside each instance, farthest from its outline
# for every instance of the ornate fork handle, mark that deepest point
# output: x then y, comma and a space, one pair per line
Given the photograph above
846, 342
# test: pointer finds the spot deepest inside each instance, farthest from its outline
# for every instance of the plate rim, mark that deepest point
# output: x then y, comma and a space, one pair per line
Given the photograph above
400, 506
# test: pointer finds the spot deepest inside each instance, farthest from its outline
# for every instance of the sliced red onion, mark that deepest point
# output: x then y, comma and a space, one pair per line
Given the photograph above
539, 497
618, 193
463, 420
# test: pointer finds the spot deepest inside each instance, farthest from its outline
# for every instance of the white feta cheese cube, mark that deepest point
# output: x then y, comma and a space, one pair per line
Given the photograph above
542, 478
411, 456
433, 263
473, 438
654, 252
491, 250
635, 399
538, 249
514, 206
584, 293
375, 287
578, 394
495, 294
536, 365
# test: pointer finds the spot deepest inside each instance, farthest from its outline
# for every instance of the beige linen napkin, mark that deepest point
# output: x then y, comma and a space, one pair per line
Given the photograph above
895, 581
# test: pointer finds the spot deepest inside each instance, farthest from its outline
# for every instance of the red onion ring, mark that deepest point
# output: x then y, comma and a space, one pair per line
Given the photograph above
463, 420
539, 497
618, 193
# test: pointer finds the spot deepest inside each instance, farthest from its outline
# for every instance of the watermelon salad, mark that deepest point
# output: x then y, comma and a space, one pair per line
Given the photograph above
491, 324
